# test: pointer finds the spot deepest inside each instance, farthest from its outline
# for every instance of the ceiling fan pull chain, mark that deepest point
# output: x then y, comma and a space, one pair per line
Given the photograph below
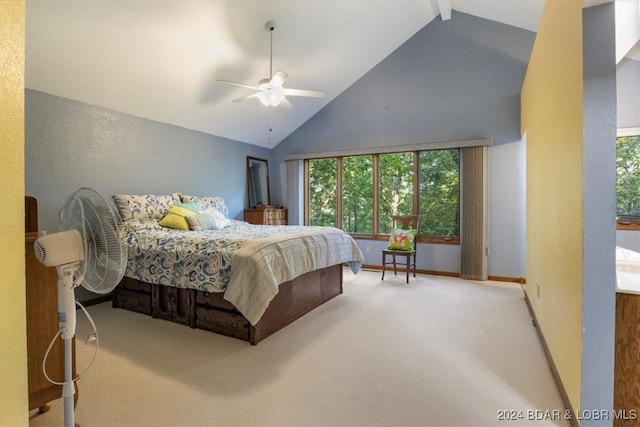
270, 130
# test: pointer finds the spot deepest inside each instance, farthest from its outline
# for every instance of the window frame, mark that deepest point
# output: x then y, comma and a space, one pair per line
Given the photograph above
376, 235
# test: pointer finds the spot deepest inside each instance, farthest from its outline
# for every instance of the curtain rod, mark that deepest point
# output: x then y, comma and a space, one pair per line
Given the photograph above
393, 149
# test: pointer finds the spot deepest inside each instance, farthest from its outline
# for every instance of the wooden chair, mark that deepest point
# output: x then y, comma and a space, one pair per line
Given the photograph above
405, 222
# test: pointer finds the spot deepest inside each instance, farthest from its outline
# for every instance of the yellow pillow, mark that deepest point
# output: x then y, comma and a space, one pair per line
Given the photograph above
176, 218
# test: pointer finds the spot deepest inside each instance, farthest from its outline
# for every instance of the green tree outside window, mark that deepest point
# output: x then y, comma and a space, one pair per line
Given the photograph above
440, 193
322, 192
628, 179
347, 199
396, 188
357, 194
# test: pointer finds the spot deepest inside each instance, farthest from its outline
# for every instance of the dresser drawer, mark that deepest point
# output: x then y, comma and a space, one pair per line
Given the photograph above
275, 214
275, 221
134, 301
266, 216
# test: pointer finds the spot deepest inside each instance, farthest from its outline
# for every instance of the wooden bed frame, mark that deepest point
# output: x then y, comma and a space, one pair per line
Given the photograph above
210, 311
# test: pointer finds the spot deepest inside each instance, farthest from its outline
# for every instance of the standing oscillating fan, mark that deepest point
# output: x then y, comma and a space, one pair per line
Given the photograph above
89, 251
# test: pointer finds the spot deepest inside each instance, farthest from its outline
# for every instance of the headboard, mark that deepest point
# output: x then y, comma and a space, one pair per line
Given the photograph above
30, 214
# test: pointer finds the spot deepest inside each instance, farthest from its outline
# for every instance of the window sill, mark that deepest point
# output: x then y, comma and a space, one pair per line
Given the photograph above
440, 240
629, 226
421, 239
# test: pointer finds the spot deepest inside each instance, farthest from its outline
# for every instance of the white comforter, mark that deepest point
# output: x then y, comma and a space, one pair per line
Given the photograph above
262, 264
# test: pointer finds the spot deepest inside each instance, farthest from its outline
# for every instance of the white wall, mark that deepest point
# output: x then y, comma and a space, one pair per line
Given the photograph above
507, 210
628, 239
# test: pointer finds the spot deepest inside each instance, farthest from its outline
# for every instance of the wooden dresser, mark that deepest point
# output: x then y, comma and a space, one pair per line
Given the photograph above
266, 216
42, 326
626, 394
41, 289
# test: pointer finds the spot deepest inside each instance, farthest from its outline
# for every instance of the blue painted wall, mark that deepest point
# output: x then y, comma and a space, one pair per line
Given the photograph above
69, 144
599, 212
454, 80
457, 79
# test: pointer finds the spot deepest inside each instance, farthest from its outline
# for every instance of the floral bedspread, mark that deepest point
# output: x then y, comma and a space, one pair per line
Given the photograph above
204, 260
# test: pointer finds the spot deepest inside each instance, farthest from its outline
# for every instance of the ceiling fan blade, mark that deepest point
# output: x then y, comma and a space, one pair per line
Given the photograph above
244, 98
238, 84
286, 104
278, 78
303, 92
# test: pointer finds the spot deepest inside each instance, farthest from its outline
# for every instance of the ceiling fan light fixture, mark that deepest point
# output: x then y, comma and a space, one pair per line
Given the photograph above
271, 98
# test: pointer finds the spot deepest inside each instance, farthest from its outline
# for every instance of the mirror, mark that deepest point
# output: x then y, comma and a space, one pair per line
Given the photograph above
258, 182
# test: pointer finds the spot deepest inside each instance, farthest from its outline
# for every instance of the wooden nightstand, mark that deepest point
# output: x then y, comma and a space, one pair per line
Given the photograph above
266, 216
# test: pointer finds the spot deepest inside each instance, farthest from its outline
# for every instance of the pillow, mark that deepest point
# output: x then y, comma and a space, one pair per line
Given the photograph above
176, 218
221, 220
144, 206
210, 219
401, 240
202, 221
193, 207
208, 203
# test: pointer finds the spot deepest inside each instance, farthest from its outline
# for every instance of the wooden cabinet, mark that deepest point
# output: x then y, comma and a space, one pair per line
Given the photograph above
162, 302
174, 304
626, 394
134, 295
42, 326
266, 216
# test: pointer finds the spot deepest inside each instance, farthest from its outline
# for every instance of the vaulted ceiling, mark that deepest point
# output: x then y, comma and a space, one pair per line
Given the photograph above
161, 59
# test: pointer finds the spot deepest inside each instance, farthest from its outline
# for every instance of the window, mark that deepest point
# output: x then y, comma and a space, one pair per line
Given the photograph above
374, 187
322, 178
440, 193
395, 188
628, 180
357, 194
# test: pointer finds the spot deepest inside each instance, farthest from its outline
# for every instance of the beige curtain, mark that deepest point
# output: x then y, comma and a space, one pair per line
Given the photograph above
474, 221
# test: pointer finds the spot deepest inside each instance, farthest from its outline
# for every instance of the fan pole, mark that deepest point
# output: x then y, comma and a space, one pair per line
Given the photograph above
67, 322
270, 25
68, 388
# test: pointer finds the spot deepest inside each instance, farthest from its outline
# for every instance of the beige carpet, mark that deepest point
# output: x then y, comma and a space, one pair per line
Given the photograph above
438, 352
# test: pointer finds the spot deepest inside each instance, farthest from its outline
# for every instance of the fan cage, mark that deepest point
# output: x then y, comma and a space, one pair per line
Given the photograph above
96, 217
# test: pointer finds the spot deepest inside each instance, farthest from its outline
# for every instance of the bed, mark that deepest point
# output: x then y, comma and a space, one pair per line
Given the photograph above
189, 263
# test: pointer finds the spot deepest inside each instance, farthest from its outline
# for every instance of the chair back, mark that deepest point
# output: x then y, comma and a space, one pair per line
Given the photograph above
406, 222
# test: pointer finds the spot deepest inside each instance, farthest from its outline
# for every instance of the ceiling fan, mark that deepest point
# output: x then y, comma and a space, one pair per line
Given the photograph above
271, 92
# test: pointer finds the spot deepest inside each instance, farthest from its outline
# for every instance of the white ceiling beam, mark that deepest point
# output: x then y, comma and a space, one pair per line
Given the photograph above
444, 6
627, 27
